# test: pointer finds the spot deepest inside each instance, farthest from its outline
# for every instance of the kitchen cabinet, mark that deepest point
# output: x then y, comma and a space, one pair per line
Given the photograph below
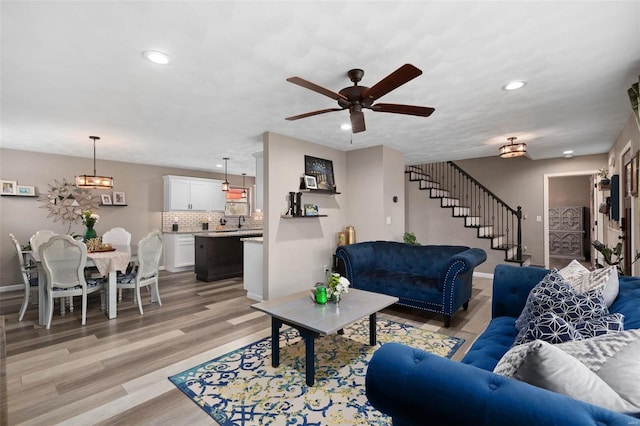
220, 256
189, 193
179, 252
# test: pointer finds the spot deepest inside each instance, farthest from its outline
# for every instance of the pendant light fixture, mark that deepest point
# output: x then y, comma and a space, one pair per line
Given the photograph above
511, 149
244, 188
94, 181
225, 184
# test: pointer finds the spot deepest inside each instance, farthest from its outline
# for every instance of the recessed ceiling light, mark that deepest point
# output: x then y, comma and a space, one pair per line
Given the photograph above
346, 126
514, 85
156, 57
567, 152
219, 165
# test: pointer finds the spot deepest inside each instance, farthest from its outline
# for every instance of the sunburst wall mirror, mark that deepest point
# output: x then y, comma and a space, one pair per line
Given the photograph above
65, 202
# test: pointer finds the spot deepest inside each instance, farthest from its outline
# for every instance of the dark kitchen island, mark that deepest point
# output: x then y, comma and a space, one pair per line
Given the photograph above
220, 255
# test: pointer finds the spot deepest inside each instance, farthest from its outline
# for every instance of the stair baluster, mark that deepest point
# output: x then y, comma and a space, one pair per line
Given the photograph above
477, 205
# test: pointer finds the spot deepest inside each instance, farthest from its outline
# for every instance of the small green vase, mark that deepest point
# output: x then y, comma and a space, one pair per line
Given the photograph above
90, 233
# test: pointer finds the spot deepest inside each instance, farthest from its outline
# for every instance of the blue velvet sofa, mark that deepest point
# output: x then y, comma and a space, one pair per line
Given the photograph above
434, 278
418, 388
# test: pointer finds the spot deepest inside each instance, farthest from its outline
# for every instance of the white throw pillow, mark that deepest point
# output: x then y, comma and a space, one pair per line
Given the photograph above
603, 371
604, 280
573, 270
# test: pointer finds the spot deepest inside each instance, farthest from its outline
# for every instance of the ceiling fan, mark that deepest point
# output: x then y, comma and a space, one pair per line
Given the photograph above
355, 97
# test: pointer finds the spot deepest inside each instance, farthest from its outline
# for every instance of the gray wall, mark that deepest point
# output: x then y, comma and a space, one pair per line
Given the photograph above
519, 182
22, 216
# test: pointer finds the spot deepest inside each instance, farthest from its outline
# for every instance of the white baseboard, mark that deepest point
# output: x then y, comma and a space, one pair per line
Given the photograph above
483, 275
15, 287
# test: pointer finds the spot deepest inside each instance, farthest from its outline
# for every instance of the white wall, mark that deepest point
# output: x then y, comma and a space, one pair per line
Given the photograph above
375, 176
295, 250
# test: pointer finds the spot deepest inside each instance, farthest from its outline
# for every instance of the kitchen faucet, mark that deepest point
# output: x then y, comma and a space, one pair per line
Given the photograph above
240, 220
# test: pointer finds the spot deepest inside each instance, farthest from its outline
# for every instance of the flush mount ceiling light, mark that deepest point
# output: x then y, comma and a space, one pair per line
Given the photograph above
225, 184
156, 57
244, 188
94, 181
511, 149
514, 85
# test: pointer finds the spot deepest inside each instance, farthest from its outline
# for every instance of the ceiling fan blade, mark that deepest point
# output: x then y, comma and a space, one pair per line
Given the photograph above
357, 122
403, 109
312, 113
319, 89
394, 80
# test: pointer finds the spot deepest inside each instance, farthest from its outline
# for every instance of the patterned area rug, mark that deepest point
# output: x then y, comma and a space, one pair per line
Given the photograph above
242, 388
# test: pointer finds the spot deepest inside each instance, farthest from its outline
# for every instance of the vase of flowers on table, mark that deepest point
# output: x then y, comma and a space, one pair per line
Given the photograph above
336, 287
89, 219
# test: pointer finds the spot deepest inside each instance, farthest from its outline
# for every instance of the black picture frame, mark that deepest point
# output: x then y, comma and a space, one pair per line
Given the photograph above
322, 170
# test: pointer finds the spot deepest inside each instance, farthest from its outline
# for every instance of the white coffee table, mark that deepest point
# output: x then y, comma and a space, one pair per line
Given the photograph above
313, 320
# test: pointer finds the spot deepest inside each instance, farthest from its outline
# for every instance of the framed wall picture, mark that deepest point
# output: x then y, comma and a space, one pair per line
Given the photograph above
9, 187
26, 191
310, 182
118, 199
310, 210
105, 199
634, 175
322, 170
628, 188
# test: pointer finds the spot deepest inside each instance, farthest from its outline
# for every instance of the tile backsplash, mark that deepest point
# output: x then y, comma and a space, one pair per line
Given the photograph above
192, 221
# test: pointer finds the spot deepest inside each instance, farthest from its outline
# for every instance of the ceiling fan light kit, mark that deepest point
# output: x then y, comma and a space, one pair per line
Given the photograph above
356, 98
512, 150
94, 181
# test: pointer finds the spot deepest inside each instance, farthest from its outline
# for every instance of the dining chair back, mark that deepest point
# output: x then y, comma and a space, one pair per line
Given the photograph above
39, 238
63, 260
147, 271
117, 236
29, 277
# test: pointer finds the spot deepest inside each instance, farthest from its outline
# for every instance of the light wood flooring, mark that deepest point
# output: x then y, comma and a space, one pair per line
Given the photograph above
114, 372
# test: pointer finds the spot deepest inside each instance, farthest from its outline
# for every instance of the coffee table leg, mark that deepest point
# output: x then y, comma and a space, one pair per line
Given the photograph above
311, 359
275, 341
372, 329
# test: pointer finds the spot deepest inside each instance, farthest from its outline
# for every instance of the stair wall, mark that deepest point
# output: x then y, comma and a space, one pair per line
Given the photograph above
433, 224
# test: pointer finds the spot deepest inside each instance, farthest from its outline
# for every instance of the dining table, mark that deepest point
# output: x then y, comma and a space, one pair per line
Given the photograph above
108, 263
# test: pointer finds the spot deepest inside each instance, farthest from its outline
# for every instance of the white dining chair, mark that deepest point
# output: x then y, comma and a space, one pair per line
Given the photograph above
29, 278
63, 260
36, 240
146, 272
39, 238
119, 237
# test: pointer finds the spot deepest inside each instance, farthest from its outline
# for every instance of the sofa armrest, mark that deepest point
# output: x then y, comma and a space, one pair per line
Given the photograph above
511, 287
459, 264
356, 258
415, 388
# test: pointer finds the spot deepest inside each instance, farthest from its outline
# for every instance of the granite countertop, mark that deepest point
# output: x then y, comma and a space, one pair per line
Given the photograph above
213, 233
234, 233
258, 240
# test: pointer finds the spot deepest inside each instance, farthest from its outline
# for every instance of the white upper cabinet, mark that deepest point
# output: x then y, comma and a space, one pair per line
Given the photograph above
187, 193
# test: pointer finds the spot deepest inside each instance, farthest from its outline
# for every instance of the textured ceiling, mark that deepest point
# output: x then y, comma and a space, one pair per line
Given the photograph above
72, 69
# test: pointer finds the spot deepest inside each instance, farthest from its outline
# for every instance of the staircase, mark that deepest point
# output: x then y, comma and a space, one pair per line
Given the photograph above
480, 208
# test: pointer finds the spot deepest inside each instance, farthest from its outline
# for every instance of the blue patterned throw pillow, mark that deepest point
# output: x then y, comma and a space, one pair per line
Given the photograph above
551, 286
612, 323
556, 313
550, 328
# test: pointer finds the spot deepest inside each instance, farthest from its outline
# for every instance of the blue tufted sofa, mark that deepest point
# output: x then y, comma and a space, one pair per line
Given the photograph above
418, 388
433, 278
